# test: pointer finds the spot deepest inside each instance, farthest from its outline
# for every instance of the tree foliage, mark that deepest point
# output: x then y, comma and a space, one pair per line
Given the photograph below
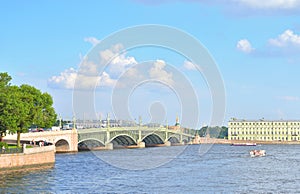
22, 106
214, 132
4, 80
4, 84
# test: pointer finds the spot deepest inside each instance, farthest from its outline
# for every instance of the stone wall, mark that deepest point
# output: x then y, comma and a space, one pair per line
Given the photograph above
205, 140
30, 157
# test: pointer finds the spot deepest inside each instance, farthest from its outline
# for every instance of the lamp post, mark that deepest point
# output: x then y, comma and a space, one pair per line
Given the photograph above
166, 131
107, 128
60, 125
140, 132
100, 120
74, 122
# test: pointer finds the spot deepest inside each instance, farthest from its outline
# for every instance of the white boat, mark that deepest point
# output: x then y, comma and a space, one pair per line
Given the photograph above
243, 144
257, 153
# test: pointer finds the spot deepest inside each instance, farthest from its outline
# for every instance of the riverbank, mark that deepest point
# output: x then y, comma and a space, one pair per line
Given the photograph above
30, 158
204, 140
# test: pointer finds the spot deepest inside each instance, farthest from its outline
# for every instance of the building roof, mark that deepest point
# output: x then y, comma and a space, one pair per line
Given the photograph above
262, 120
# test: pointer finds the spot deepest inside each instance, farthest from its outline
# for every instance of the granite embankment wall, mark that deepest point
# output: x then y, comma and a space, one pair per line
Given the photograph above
207, 140
30, 157
204, 140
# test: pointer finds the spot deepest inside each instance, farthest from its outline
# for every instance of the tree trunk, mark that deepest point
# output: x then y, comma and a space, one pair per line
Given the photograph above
1, 136
19, 138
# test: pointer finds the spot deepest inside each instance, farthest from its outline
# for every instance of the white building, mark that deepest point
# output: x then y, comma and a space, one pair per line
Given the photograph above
262, 130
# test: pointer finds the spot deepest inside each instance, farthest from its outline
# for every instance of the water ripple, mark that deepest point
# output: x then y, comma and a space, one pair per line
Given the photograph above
224, 169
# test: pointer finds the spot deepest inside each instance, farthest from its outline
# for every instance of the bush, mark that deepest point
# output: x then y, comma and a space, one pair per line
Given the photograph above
3, 145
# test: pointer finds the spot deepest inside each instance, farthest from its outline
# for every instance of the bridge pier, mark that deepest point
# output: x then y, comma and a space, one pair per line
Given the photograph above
141, 144
167, 143
109, 146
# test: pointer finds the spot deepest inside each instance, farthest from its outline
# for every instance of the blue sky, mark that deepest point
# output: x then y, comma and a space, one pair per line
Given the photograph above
256, 45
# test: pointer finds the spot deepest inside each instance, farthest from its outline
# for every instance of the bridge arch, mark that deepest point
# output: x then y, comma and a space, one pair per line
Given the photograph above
185, 141
123, 140
90, 143
152, 139
173, 139
62, 145
91, 139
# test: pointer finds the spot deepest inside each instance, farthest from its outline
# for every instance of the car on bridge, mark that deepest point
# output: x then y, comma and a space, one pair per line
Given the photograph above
32, 130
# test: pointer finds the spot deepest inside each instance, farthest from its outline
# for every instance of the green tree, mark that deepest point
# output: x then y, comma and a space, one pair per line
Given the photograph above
4, 84
4, 80
20, 107
223, 133
41, 113
214, 132
202, 131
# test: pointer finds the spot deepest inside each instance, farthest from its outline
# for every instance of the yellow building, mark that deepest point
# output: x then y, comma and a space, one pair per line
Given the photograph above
262, 130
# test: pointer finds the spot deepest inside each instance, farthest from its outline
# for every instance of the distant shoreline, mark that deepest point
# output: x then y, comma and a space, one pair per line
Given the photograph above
204, 140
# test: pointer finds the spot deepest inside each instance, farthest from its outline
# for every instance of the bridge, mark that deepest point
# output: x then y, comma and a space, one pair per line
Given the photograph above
139, 136
108, 138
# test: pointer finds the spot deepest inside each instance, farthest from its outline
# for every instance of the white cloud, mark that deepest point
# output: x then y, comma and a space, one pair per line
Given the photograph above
287, 38
158, 72
189, 65
94, 41
107, 54
289, 98
70, 79
243, 7
105, 80
269, 4
66, 79
119, 63
258, 4
88, 76
245, 46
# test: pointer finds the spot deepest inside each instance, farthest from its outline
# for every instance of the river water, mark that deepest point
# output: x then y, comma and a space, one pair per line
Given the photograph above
224, 168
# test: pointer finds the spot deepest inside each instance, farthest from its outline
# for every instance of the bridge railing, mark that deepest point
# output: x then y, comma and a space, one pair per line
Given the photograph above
133, 130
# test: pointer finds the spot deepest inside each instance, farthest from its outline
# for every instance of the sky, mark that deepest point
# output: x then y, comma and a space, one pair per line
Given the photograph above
255, 46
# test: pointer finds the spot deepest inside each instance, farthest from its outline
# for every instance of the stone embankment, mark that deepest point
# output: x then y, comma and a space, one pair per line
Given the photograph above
207, 140
30, 158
